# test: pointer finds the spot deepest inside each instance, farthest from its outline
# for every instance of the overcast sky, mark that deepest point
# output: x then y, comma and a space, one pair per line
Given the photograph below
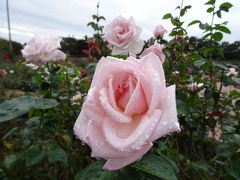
70, 17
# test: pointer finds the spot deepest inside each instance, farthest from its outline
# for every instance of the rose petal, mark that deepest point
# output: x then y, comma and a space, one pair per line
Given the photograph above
137, 103
169, 121
154, 70
117, 163
114, 114
139, 135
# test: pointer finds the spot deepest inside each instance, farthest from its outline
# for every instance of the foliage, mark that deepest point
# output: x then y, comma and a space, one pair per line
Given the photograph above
5, 50
37, 140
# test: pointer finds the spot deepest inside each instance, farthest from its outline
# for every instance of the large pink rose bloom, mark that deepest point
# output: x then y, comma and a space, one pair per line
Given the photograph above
41, 50
123, 35
156, 49
159, 31
128, 107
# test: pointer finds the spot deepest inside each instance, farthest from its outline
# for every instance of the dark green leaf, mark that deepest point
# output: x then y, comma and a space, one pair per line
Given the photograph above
167, 16
9, 160
236, 80
33, 122
217, 36
234, 138
157, 166
211, 2
219, 14
225, 6
203, 26
199, 63
224, 150
181, 108
223, 29
33, 155
55, 153
194, 22
95, 172
15, 107
46, 103
209, 10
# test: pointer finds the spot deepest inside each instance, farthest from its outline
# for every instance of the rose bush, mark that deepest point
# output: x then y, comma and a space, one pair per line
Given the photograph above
128, 107
123, 35
41, 50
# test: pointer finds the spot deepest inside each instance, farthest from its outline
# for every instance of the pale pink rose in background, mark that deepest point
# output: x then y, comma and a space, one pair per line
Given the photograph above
159, 31
156, 49
77, 96
3, 73
123, 34
216, 133
194, 86
127, 107
232, 71
40, 50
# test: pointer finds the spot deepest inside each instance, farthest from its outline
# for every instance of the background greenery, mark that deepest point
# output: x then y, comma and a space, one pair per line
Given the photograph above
38, 111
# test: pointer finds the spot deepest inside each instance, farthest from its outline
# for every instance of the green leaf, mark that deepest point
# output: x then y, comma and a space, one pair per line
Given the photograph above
92, 24
181, 108
194, 22
202, 168
167, 16
184, 10
209, 10
203, 26
234, 138
46, 103
55, 152
9, 160
224, 150
15, 107
217, 36
3, 175
225, 6
34, 155
157, 166
223, 29
199, 63
33, 122
211, 2
236, 80
95, 172
219, 14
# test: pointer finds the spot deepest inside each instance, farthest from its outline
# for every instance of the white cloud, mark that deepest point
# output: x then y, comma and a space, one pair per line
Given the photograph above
69, 18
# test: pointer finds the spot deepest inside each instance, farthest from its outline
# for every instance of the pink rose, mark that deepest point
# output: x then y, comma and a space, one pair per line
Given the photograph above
232, 72
127, 107
156, 49
3, 73
41, 50
159, 31
123, 35
194, 86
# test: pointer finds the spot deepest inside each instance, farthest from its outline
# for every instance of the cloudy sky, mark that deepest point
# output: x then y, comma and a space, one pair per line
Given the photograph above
70, 17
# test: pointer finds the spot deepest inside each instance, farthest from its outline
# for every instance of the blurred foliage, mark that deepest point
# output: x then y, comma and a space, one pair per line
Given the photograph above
5, 53
39, 107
